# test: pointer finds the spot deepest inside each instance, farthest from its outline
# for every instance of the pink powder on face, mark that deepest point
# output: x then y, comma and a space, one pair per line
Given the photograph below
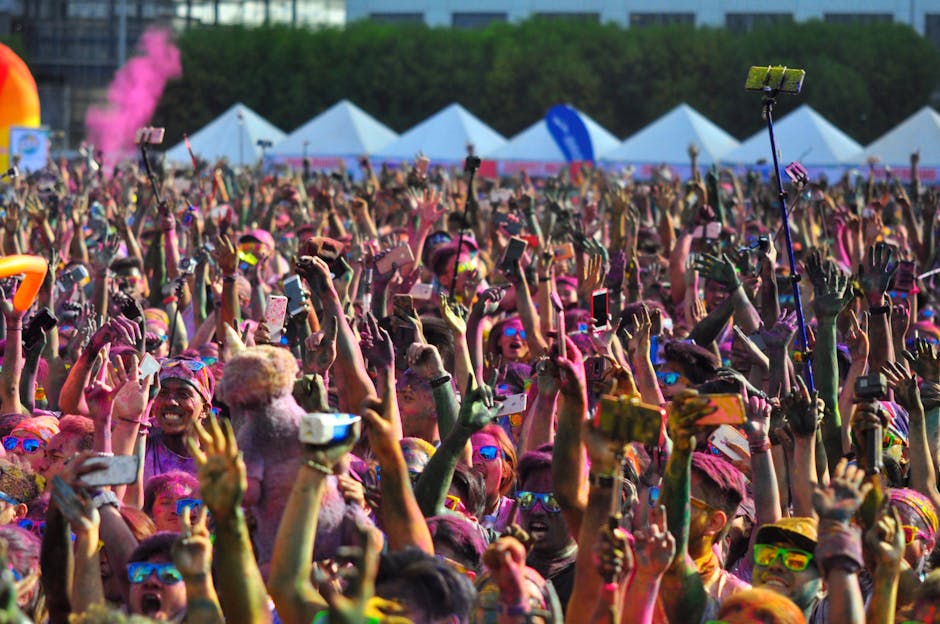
133, 95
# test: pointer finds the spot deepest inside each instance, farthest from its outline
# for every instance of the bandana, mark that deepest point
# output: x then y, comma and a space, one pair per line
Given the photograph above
919, 503
192, 371
43, 427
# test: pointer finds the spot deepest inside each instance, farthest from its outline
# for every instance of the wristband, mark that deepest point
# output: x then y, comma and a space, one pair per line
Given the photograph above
228, 279
760, 447
170, 299
437, 382
105, 497
882, 309
839, 546
318, 467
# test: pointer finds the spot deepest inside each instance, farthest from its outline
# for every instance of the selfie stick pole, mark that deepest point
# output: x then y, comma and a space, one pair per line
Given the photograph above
470, 167
770, 96
153, 181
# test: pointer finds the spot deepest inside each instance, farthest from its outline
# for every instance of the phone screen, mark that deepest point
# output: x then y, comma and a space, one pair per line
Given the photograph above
599, 304
513, 252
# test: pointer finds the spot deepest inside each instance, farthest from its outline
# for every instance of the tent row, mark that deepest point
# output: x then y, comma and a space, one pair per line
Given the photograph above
344, 132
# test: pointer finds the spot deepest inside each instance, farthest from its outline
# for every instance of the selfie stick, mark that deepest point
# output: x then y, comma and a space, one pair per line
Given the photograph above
769, 99
153, 181
470, 167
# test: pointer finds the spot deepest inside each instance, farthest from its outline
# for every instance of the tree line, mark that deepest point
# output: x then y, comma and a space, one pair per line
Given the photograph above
864, 78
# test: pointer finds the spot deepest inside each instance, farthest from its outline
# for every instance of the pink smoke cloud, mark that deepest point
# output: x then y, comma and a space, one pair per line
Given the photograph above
133, 95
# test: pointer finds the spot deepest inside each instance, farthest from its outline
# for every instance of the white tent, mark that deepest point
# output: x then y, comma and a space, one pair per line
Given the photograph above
444, 137
803, 135
536, 144
667, 140
233, 135
344, 129
920, 131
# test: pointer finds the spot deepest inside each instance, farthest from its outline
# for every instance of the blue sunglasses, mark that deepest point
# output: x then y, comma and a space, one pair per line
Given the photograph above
489, 452
166, 572
668, 379
187, 503
512, 331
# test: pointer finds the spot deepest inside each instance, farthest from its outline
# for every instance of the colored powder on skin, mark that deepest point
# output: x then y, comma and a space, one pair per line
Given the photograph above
133, 95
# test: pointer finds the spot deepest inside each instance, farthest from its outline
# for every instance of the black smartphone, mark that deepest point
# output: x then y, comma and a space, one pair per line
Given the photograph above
599, 304
904, 278
513, 253
42, 321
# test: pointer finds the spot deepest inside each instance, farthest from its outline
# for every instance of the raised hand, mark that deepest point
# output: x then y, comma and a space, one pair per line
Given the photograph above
686, 408
488, 302
430, 208
425, 361
781, 334
885, 538
843, 496
192, 551
718, 268
831, 285
77, 508
321, 347
117, 331
105, 252
226, 255
803, 409
381, 416
505, 559
757, 426
856, 339
219, 466
478, 408
744, 350
376, 344
351, 608
876, 273
614, 556
655, 546
924, 360
455, 315
904, 384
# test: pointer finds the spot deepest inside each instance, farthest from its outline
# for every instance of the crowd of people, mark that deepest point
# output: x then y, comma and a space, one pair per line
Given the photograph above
415, 395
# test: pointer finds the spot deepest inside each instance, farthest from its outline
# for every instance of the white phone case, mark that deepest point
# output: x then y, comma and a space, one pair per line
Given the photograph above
514, 404
274, 315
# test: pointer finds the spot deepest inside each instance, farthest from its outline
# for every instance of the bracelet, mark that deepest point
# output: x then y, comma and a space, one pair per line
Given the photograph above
105, 497
437, 382
520, 608
318, 467
882, 309
229, 279
761, 447
604, 481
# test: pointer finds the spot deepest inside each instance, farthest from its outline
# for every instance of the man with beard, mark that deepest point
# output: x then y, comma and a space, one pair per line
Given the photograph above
554, 551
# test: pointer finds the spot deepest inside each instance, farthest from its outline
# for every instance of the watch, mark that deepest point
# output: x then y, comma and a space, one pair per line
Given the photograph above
437, 382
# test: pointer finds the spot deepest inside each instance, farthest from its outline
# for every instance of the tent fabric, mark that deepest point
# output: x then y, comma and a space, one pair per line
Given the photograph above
344, 129
233, 135
444, 137
535, 143
919, 131
803, 135
667, 140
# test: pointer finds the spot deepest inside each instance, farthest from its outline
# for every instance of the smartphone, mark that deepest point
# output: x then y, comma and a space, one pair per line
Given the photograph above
513, 253
397, 257
296, 296
730, 442
117, 470
904, 278
274, 315
594, 367
560, 317
42, 321
403, 305
729, 410
563, 252
599, 302
422, 291
148, 367
151, 135
797, 172
709, 231
78, 274
513, 404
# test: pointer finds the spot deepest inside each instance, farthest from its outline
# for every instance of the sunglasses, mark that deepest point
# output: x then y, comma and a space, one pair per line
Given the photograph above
653, 495
911, 533
465, 267
488, 452
793, 559
548, 501
187, 503
455, 504
412, 475
193, 365
30, 445
512, 331
668, 379
166, 572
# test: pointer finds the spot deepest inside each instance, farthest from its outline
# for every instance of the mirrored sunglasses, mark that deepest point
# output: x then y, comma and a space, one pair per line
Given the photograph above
667, 379
142, 570
192, 504
513, 331
488, 452
793, 559
29, 445
193, 365
548, 501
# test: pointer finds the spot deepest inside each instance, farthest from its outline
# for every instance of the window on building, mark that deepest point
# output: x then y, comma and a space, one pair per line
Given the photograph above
398, 18
562, 15
858, 18
88, 10
746, 22
639, 20
932, 28
476, 20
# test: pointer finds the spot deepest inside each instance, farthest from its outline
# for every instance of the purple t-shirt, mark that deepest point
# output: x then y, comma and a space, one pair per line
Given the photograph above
159, 459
